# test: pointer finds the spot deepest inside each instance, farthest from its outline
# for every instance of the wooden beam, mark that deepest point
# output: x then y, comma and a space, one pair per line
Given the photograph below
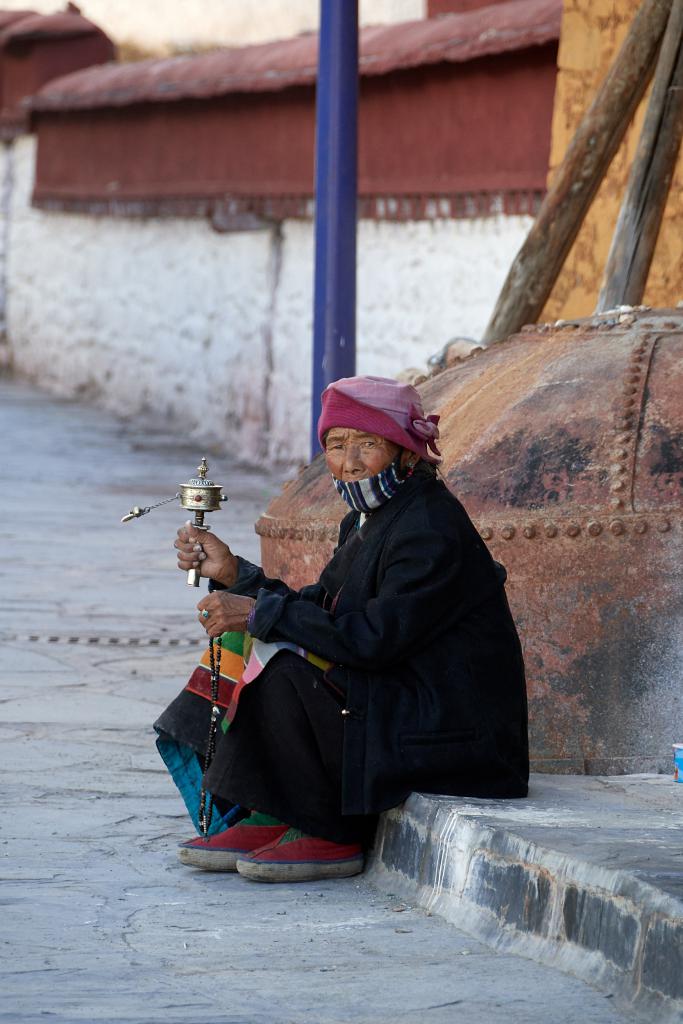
575, 182
640, 217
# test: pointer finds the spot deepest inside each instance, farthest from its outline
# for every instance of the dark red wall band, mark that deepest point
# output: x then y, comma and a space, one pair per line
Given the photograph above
474, 136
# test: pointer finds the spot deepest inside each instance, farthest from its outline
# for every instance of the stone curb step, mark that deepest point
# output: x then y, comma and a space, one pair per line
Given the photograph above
603, 924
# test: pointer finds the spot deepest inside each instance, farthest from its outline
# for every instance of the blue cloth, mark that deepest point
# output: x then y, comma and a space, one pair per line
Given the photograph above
186, 772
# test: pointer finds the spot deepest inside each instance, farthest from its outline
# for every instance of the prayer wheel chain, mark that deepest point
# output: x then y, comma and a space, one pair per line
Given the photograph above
205, 799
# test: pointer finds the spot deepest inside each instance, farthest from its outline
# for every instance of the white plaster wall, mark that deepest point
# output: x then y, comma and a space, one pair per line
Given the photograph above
159, 24
292, 345
168, 319
6, 186
423, 282
419, 284
163, 318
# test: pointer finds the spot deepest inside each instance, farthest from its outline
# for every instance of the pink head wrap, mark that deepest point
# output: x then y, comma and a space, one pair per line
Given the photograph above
380, 406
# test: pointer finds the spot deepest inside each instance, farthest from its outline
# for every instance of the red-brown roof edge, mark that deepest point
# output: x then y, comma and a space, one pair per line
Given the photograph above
64, 24
8, 18
270, 67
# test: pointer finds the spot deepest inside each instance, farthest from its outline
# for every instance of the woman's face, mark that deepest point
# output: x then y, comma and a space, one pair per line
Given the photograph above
354, 455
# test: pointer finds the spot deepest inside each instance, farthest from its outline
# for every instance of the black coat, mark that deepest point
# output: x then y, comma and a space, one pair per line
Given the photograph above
423, 645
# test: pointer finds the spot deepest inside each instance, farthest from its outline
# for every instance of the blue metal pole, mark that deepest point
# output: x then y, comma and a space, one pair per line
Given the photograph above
336, 174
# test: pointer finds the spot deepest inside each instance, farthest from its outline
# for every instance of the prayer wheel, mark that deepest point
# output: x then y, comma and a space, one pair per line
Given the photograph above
565, 444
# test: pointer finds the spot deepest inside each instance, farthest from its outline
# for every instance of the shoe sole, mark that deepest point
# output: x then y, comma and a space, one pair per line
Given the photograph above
209, 860
270, 872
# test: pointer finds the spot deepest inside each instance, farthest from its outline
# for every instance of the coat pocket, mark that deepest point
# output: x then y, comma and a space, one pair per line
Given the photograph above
441, 762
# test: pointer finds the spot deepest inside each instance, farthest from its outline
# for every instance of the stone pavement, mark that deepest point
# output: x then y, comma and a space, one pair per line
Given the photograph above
100, 923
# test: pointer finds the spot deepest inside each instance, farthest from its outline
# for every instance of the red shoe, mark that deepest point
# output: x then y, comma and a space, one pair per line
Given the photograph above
295, 857
220, 852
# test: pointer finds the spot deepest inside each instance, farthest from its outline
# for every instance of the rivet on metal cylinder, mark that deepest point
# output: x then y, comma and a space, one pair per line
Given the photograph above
617, 527
664, 526
573, 530
486, 533
529, 531
550, 530
594, 528
640, 526
508, 532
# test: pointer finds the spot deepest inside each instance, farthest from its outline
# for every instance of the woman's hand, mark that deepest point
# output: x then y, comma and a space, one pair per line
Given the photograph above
199, 549
227, 613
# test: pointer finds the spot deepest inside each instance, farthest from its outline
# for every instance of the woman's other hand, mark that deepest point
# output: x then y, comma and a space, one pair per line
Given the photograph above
199, 549
221, 612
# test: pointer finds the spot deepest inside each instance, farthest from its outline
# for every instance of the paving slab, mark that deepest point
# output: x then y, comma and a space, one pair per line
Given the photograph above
100, 922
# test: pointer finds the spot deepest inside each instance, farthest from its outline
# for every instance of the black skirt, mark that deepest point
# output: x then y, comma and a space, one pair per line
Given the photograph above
283, 752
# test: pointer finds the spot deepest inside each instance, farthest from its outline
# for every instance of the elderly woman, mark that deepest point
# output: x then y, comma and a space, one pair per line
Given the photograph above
399, 670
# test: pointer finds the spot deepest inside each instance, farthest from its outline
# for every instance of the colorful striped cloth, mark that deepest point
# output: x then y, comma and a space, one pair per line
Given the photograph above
243, 658
260, 654
232, 667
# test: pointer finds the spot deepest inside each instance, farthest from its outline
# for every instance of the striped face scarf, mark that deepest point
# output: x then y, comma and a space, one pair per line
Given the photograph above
367, 495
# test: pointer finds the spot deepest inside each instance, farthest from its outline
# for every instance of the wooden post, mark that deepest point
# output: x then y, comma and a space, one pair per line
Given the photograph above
538, 263
640, 217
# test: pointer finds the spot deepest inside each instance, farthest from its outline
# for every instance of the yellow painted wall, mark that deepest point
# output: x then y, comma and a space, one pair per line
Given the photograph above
592, 32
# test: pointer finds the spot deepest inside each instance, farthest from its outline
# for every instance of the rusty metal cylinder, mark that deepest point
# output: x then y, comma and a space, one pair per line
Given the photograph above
565, 444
